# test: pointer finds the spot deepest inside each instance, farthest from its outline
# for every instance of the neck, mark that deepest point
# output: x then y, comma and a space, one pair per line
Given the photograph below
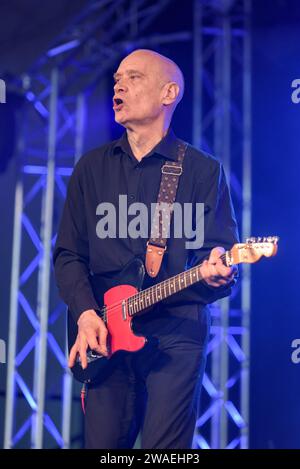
142, 140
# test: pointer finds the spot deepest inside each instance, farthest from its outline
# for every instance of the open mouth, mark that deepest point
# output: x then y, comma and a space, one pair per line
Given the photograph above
118, 103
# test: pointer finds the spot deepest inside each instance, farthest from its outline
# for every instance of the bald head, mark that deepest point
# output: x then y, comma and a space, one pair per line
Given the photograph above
166, 70
148, 87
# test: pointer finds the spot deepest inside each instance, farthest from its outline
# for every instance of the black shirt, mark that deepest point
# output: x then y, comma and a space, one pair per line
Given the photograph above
101, 176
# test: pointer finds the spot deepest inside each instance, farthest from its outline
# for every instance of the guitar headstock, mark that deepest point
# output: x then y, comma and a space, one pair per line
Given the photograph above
253, 250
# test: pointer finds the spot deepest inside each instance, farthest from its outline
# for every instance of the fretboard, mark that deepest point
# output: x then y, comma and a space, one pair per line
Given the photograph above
156, 293
152, 295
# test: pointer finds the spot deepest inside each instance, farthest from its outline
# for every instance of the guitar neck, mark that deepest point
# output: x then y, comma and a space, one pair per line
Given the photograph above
156, 293
249, 252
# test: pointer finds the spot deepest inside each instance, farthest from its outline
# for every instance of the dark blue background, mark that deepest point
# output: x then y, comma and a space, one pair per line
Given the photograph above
275, 317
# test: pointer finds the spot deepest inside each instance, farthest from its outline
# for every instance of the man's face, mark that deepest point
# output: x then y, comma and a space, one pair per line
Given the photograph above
138, 91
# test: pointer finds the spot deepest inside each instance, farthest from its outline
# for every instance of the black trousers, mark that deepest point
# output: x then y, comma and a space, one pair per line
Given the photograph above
155, 390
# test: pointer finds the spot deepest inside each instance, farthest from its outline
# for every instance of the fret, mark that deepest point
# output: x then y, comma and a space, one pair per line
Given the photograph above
135, 304
185, 280
142, 301
191, 276
147, 296
181, 282
177, 283
194, 276
165, 295
154, 295
131, 307
168, 287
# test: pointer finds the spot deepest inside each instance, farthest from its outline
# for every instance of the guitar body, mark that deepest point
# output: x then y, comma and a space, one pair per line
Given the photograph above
121, 336
118, 322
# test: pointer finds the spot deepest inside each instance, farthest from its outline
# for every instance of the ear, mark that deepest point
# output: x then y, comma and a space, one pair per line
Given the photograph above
170, 93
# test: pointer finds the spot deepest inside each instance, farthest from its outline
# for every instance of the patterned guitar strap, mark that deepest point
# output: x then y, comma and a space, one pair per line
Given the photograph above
157, 244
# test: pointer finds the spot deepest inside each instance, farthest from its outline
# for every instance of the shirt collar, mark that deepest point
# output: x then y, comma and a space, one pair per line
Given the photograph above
167, 147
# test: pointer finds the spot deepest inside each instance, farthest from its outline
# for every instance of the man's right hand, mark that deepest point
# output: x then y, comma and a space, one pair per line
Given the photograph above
92, 333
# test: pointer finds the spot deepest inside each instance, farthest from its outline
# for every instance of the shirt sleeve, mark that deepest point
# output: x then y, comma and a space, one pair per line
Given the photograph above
71, 251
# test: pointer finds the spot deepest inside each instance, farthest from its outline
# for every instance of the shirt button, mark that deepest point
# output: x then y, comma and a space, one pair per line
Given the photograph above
132, 196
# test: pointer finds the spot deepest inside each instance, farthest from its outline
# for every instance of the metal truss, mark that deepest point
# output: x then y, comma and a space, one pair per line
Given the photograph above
36, 356
222, 127
53, 137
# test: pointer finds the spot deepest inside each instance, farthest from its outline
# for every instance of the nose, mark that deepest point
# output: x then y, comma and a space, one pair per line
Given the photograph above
120, 87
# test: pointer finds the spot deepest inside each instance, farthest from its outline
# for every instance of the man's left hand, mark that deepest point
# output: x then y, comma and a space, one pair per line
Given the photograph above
214, 272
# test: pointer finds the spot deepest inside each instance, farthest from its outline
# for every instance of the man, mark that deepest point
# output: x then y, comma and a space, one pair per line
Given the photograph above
156, 389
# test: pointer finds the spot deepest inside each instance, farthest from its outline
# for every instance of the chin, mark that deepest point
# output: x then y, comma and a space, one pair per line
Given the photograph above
120, 120
119, 117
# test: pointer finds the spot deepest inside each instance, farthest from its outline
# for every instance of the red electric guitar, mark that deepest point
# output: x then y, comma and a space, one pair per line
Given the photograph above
122, 302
